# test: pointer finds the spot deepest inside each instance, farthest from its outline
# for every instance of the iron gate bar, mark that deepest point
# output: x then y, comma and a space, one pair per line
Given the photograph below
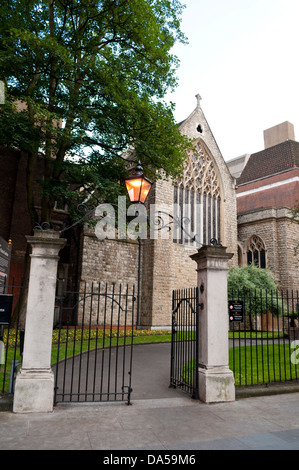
12, 289
184, 345
265, 358
109, 387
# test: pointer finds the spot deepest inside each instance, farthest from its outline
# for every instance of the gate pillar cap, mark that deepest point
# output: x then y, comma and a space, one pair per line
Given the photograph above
46, 237
210, 251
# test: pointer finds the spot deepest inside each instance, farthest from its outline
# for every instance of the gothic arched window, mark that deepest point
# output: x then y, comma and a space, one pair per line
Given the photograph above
197, 199
256, 252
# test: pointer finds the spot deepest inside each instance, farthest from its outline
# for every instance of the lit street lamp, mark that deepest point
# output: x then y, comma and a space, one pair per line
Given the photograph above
138, 186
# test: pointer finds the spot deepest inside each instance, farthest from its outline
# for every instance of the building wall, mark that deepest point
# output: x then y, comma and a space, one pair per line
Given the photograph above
280, 234
228, 183
111, 267
14, 215
111, 261
15, 220
169, 265
275, 191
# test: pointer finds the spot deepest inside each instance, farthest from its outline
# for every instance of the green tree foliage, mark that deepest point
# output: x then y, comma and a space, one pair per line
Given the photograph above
251, 278
90, 76
256, 287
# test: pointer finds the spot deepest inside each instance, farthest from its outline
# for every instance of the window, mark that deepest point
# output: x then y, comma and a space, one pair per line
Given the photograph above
197, 200
256, 252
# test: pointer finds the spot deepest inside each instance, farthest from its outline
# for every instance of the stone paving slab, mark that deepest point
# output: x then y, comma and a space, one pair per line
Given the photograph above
173, 424
159, 418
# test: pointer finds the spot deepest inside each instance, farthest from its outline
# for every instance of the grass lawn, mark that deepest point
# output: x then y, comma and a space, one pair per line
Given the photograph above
254, 334
70, 347
262, 364
11, 356
258, 364
251, 365
77, 341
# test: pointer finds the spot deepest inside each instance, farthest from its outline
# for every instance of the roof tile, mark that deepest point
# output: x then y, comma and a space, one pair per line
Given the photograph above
276, 159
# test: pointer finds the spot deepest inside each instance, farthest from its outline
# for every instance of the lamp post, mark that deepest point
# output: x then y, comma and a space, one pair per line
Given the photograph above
138, 188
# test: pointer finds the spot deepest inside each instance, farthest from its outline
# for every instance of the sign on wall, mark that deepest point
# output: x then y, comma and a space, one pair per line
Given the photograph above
235, 310
5, 308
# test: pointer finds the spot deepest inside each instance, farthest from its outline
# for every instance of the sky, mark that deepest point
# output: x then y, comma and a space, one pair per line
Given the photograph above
242, 58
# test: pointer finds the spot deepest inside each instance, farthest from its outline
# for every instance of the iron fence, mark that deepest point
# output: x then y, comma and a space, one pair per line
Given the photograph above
11, 339
264, 338
184, 341
93, 340
94, 343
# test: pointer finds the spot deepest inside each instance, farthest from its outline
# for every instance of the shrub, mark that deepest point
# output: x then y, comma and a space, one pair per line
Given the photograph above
256, 287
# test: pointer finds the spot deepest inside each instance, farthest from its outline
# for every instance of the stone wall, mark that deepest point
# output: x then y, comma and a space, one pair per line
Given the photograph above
280, 235
165, 265
109, 269
111, 261
168, 266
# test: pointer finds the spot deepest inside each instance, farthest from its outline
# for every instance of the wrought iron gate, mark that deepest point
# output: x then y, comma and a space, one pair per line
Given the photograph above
94, 343
184, 341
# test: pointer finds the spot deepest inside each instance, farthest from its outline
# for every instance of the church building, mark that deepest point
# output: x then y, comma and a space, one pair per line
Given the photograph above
204, 199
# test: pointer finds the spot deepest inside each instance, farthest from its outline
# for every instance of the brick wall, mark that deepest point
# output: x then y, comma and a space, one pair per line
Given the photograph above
274, 191
14, 215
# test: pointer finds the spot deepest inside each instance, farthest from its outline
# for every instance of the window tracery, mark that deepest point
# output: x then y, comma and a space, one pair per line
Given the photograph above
256, 252
197, 196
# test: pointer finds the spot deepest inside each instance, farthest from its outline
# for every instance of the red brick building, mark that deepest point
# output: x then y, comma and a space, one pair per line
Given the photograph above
267, 189
14, 215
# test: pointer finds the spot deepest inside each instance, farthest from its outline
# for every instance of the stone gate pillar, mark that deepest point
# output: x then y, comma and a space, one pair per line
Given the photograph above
34, 387
216, 380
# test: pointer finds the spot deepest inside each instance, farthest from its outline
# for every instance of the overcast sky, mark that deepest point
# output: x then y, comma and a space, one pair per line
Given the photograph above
242, 58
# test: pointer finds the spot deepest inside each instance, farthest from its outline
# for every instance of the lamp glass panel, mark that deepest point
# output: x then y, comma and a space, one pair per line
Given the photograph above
133, 188
146, 186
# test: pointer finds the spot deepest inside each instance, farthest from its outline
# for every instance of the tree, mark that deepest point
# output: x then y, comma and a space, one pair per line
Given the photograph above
256, 287
85, 82
251, 278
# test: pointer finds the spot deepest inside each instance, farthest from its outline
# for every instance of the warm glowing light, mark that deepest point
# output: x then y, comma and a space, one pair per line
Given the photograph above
136, 183
138, 186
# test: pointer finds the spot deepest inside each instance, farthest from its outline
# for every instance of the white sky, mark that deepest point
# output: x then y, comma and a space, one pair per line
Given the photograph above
242, 58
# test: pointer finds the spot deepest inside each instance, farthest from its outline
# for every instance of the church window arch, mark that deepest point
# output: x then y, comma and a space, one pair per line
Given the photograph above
256, 252
197, 199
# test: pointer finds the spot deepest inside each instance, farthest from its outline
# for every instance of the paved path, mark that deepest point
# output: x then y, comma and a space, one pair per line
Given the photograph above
149, 379
159, 419
151, 372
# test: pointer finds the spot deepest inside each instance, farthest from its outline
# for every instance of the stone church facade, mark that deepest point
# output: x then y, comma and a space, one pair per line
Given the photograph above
204, 198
